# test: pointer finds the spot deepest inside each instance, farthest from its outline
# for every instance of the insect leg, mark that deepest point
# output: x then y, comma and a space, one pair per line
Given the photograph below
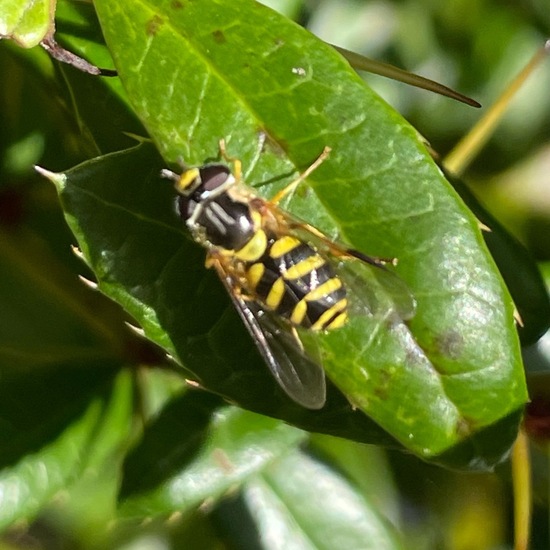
291, 186
336, 249
237, 164
344, 252
296, 337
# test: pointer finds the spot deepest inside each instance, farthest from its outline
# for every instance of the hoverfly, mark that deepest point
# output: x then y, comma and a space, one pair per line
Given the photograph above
278, 270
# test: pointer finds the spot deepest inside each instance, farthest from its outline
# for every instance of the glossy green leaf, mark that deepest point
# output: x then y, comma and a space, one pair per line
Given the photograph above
300, 503
197, 72
26, 21
61, 407
199, 326
367, 467
518, 269
170, 443
235, 446
61, 433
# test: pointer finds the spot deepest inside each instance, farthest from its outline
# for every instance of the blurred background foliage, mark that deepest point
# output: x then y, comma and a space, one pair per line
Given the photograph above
474, 46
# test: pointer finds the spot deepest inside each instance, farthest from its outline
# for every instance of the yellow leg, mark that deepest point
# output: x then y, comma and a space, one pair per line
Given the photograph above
296, 336
237, 164
342, 251
291, 186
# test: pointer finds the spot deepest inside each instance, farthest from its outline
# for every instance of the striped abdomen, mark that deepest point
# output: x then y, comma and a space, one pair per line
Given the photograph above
295, 281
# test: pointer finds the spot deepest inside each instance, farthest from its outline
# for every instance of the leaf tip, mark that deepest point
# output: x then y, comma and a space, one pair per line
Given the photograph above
58, 179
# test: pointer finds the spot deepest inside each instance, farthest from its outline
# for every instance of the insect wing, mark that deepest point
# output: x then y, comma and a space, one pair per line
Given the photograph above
298, 374
374, 288
404, 303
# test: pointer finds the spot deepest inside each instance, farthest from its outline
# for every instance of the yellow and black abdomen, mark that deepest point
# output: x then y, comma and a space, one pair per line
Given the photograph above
281, 272
295, 281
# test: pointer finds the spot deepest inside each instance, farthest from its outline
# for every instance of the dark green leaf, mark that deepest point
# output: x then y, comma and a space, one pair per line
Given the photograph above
236, 445
170, 443
59, 432
365, 466
200, 71
518, 269
299, 499
88, 95
206, 333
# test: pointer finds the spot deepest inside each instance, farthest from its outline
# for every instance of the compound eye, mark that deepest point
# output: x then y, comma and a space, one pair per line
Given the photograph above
185, 207
213, 176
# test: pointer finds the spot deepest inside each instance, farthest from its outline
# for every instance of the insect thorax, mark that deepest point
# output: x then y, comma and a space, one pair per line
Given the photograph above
222, 222
213, 212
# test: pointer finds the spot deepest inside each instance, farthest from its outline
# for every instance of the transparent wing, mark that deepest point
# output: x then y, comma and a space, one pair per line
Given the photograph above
377, 290
298, 373
374, 288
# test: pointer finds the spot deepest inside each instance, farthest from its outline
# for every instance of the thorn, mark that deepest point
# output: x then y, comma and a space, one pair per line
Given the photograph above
90, 284
223, 461
174, 518
168, 174
207, 504
44, 172
77, 252
136, 330
65, 56
484, 227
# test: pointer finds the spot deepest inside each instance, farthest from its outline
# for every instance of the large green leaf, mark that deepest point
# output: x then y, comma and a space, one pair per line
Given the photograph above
26, 21
52, 432
197, 72
236, 445
115, 228
298, 498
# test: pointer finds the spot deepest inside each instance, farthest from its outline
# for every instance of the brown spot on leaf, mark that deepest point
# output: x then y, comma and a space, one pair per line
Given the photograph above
154, 24
450, 344
382, 387
219, 37
463, 428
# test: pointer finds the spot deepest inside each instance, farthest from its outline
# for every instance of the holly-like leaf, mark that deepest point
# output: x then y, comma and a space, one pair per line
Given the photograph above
53, 432
198, 72
284, 497
236, 445
26, 21
518, 269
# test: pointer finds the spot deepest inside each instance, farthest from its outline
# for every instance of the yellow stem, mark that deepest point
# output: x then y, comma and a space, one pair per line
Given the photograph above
521, 479
466, 150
